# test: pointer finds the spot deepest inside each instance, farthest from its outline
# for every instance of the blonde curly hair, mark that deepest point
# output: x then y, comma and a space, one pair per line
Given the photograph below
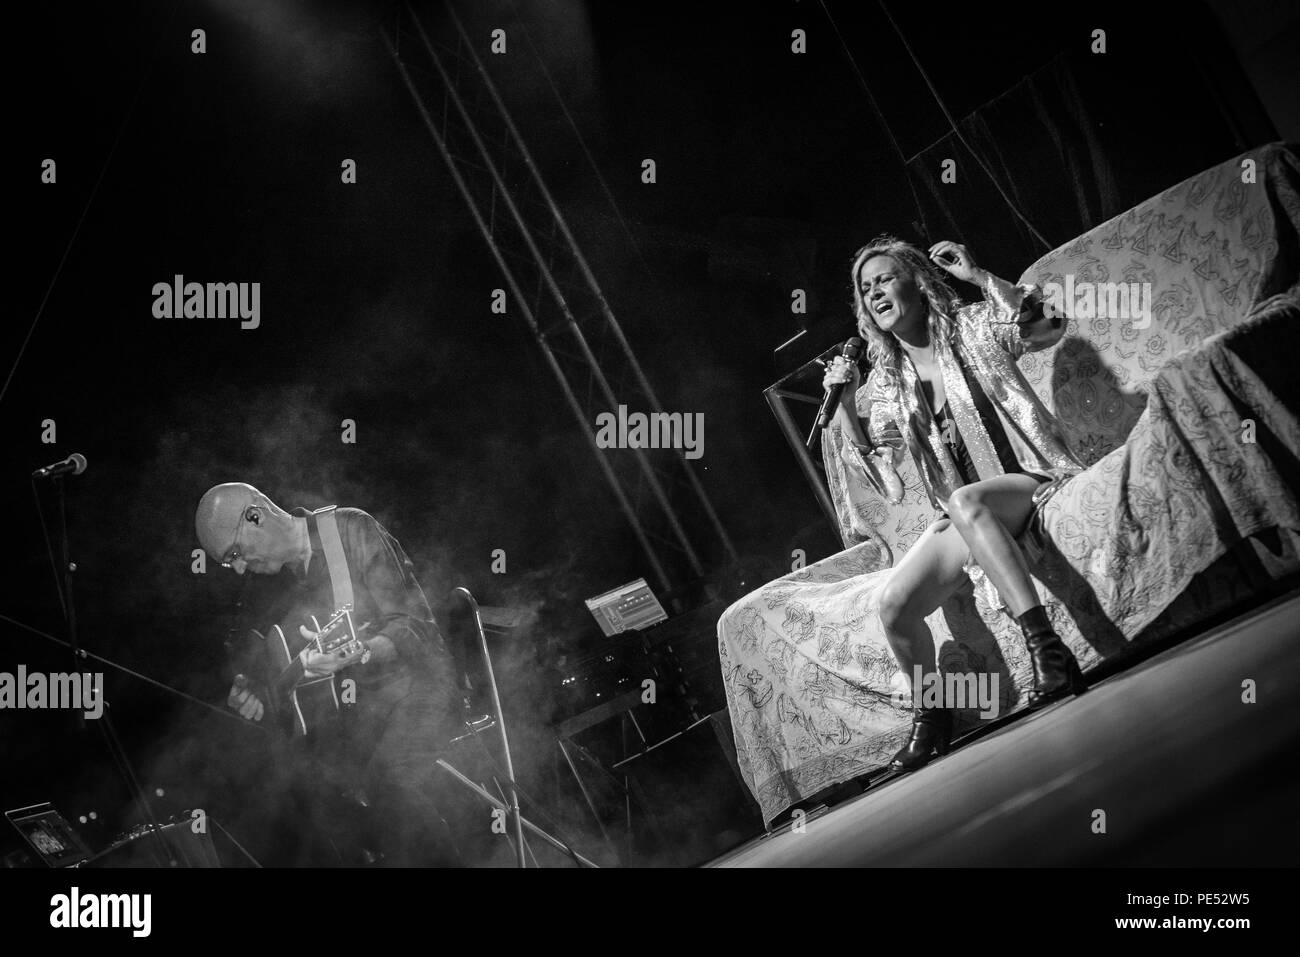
942, 303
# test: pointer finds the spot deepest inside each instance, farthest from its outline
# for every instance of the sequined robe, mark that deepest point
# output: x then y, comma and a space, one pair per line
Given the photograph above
990, 336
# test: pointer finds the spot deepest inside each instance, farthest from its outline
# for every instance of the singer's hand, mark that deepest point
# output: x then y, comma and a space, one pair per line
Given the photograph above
841, 370
956, 260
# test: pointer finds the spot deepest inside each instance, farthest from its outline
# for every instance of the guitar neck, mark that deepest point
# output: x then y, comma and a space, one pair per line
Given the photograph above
290, 677
293, 674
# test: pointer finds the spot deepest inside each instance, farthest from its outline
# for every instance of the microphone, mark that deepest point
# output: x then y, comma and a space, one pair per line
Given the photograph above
74, 464
852, 349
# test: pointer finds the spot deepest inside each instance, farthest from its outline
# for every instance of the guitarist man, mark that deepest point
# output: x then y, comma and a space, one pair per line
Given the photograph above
403, 710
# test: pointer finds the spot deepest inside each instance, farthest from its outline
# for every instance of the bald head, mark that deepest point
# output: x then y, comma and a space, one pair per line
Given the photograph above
219, 513
236, 516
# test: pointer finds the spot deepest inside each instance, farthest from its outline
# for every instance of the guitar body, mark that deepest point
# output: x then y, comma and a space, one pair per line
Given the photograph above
305, 705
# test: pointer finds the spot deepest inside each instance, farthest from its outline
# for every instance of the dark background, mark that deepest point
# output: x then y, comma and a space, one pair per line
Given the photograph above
225, 167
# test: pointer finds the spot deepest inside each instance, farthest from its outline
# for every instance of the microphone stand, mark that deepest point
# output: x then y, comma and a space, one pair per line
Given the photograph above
64, 581
515, 816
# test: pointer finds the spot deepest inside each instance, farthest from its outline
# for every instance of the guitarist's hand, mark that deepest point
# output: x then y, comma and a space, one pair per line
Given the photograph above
244, 701
318, 665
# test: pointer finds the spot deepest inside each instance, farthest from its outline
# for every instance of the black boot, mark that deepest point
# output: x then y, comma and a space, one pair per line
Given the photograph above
931, 732
1056, 672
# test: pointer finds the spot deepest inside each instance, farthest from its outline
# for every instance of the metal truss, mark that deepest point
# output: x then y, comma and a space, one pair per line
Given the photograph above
552, 286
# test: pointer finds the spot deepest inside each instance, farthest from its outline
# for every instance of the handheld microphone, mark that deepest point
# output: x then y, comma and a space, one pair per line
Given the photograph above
852, 349
74, 464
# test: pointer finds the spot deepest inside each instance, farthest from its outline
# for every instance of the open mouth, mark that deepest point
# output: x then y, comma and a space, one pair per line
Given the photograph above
883, 308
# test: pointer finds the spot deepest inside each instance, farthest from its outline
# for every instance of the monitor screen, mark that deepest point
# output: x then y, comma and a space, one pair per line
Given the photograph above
47, 833
627, 608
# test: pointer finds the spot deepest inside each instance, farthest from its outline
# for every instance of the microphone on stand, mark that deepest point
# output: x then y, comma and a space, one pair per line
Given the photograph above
74, 464
851, 351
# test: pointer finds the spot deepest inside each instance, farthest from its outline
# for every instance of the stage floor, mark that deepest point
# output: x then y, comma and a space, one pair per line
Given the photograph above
1162, 764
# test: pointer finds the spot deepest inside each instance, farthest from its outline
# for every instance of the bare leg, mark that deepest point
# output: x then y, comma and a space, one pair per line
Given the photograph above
990, 515
930, 572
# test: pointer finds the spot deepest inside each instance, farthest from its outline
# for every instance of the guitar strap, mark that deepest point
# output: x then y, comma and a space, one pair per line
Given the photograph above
336, 561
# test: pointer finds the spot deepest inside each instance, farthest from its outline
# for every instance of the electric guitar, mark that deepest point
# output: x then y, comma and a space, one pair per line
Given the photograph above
304, 704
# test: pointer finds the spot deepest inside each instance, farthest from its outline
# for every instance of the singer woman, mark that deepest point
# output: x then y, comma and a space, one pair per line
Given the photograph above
943, 387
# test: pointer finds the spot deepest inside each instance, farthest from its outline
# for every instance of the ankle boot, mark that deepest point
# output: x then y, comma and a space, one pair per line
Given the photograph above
931, 732
1056, 672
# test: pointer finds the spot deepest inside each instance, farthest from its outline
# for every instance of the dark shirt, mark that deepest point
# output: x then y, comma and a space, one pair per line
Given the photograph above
956, 445
992, 424
381, 748
386, 598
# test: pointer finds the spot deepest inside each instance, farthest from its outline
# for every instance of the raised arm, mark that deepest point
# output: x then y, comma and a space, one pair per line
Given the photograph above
1014, 313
